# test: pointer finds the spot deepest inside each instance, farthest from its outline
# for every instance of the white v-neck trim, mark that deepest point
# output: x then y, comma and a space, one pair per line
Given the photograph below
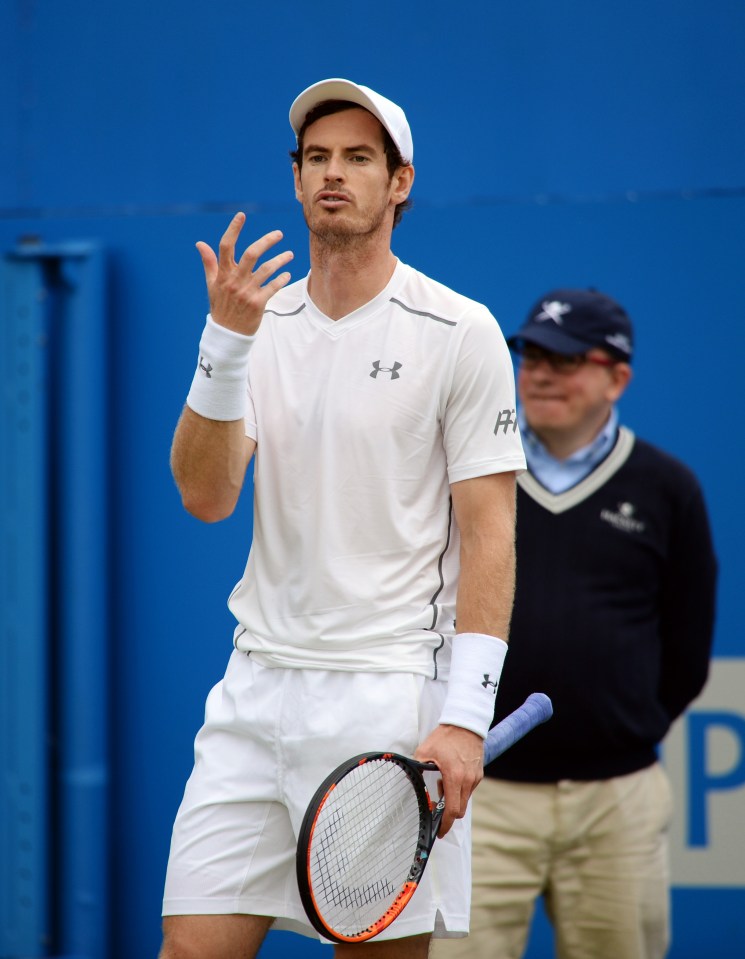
352, 320
560, 502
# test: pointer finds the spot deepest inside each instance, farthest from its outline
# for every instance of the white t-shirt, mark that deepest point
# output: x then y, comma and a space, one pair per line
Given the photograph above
361, 425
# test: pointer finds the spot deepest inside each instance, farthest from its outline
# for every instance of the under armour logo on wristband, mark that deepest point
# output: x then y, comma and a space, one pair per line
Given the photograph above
207, 369
488, 682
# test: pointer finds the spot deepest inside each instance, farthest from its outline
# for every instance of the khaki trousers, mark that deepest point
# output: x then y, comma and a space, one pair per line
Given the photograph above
597, 853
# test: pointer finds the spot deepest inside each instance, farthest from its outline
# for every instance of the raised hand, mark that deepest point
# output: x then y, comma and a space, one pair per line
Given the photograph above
239, 291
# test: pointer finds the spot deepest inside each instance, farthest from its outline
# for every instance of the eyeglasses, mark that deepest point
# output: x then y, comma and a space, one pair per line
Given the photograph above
531, 356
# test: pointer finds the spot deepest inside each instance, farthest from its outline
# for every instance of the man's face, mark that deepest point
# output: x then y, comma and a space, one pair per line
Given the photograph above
344, 184
567, 404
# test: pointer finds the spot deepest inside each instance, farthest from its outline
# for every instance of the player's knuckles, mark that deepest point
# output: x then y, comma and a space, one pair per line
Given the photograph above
233, 287
263, 272
251, 298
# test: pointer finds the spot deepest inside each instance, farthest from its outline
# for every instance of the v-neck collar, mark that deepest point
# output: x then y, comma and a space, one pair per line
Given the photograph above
561, 502
361, 315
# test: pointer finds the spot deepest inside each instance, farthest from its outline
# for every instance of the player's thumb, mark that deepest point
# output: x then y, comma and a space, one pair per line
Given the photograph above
209, 262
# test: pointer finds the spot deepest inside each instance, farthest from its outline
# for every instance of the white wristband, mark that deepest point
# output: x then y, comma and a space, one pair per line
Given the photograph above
218, 390
475, 668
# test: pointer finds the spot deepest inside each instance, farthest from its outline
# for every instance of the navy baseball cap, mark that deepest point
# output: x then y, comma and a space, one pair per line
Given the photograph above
574, 321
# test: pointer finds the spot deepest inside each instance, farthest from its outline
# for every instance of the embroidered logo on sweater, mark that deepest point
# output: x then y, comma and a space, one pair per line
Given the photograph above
623, 518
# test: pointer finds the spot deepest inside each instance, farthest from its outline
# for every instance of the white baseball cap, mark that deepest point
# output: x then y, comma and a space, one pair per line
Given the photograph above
390, 114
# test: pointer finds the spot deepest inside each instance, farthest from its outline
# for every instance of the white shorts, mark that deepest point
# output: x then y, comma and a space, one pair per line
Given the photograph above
269, 739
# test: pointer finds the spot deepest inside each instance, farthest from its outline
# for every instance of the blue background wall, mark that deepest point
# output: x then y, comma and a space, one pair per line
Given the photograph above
557, 143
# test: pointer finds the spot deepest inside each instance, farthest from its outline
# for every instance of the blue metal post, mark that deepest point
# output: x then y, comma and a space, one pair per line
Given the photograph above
81, 522
62, 679
25, 915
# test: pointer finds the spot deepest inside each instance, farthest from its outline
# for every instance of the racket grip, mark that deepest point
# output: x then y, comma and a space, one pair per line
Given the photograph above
535, 710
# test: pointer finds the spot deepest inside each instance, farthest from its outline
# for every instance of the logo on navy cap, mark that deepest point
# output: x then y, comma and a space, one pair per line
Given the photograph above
553, 310
619, 341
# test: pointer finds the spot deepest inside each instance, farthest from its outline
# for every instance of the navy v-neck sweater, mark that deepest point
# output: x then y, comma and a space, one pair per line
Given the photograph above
613, 616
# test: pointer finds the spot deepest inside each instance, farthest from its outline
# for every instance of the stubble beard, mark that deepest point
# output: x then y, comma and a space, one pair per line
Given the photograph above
335, 232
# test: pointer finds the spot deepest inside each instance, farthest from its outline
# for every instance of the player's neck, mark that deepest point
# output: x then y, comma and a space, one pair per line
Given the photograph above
345, 278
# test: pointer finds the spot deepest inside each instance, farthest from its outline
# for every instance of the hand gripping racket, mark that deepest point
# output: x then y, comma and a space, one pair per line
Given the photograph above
369, 829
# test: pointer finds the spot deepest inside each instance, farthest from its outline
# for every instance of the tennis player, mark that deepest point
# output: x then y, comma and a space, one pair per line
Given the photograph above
379, 408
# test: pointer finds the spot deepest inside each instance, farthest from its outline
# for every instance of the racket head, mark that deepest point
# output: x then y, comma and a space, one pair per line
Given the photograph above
363, 845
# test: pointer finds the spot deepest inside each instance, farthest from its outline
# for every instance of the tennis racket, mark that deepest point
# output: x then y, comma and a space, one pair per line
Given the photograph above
369, 829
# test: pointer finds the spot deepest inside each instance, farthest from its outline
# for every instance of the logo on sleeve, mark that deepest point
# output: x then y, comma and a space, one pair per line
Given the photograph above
207, 369
487, 682
505, 419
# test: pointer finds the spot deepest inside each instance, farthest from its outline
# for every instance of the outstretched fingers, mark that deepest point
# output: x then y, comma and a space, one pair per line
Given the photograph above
258, 248
270, 267
209, 262
229, 239
239, 291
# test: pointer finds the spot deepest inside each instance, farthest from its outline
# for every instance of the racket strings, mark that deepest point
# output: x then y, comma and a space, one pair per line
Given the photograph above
364, 843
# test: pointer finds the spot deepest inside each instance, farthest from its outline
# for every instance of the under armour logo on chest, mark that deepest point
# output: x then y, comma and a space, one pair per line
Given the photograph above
393, 370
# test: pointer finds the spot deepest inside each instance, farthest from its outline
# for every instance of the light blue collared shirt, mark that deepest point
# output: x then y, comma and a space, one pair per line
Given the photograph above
560, 475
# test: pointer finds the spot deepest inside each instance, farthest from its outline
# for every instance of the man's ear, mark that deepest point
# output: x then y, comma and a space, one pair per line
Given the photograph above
298, 187
401, 183
621, 376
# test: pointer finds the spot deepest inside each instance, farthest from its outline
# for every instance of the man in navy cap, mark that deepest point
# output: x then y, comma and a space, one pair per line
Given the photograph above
613, 618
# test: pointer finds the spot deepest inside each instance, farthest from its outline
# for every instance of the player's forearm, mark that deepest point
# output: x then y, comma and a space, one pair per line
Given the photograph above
485, 513
486, 590
487, 559
491, 614
208, 462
